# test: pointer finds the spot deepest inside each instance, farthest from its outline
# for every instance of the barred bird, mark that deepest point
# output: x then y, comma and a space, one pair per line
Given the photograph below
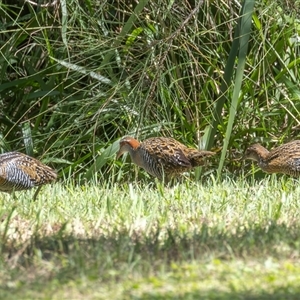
283, 159
162, 157
19, 172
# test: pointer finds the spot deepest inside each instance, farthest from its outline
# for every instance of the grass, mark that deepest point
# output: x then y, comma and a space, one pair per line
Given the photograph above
228, 240
89, 72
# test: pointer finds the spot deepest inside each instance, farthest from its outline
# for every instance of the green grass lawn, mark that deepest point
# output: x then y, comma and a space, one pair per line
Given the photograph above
228, 240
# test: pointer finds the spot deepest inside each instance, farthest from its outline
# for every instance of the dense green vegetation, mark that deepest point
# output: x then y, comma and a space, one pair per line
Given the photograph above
78, 75
75, 76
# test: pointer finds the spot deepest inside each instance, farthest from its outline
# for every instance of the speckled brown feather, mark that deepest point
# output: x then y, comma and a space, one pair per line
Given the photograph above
162, 156
283, 159
19, 171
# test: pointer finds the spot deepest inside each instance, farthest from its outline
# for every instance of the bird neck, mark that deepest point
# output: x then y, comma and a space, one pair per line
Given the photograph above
136, 156
262, 155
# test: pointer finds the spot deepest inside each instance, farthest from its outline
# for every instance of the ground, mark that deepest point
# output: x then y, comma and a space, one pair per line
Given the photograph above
212, 240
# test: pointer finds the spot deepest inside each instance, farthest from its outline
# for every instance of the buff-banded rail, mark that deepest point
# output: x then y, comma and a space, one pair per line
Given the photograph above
283, 159
162, 157
19, 172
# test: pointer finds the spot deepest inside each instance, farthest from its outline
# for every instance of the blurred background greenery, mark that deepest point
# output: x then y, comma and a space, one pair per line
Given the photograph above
75, 76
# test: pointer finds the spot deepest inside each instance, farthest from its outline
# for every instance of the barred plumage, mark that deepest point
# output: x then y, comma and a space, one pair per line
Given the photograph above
162, 157
283, 159
19, 171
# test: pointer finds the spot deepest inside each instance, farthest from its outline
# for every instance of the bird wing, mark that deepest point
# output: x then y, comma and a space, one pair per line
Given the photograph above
167, 152
22, 171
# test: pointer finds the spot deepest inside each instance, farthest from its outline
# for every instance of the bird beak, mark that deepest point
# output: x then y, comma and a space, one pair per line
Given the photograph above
120, 152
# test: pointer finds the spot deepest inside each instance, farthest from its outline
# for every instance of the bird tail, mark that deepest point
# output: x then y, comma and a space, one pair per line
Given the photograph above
197, 158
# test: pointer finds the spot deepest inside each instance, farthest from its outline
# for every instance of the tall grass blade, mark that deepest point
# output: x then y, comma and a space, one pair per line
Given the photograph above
244, 29
27, 138
228, 73
125, 30
102, 160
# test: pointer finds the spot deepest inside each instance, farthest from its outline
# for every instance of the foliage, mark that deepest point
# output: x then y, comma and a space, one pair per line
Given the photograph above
75, 76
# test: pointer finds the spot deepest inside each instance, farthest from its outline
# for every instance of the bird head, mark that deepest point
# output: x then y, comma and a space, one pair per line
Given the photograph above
127, 144
255, 152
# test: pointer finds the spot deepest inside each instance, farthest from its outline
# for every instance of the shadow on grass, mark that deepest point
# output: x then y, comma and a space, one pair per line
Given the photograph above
71, 258
247, 240
277, 294
288, 293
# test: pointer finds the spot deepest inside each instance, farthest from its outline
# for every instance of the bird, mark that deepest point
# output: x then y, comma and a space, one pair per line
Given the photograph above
162, 157
19, 171
284, 159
